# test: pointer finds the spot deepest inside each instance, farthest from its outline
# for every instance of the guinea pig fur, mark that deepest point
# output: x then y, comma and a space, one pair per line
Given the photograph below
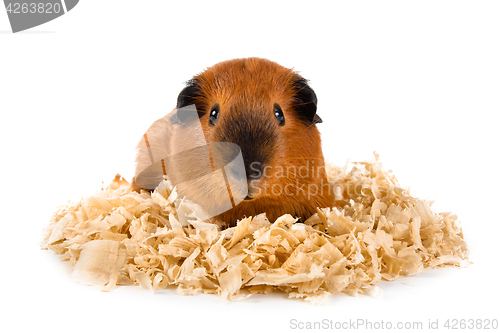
269, 112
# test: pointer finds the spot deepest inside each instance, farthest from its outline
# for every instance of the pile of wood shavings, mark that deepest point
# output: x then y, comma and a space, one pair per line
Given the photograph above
376, 230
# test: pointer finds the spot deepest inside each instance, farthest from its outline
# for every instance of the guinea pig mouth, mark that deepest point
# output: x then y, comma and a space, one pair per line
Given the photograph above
248, 198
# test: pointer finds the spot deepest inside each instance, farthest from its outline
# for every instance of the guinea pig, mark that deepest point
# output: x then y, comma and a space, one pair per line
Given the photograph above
259, 118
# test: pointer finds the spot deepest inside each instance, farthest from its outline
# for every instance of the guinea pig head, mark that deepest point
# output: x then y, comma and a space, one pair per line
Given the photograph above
268, 112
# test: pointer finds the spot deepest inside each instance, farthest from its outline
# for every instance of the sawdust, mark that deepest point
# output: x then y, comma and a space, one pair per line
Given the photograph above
376, 230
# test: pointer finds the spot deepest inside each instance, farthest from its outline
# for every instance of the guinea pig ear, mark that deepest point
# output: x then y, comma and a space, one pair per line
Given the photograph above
186, 98
306, 101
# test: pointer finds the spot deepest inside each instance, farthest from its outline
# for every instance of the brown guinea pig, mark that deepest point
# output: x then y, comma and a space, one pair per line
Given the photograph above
266, 113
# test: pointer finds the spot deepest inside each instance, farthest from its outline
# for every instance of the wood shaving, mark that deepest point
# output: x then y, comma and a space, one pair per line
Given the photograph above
375, 230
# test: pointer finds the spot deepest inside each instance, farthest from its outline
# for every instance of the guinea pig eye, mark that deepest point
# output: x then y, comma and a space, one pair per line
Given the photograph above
278, 113
214, 115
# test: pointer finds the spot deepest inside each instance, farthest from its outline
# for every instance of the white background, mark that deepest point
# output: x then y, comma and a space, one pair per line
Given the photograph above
416, 82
